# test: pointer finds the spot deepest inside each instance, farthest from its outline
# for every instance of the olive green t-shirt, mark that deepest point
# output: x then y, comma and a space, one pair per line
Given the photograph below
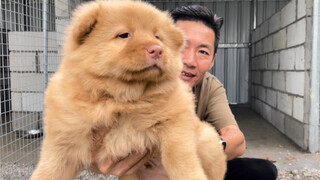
212, 104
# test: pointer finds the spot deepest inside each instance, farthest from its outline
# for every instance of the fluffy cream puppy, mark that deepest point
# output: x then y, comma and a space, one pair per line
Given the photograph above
121, 69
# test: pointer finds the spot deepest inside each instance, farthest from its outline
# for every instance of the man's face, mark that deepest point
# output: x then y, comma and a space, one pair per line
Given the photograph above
198, 54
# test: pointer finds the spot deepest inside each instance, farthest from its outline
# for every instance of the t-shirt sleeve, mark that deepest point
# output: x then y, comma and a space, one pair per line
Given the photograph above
218, 112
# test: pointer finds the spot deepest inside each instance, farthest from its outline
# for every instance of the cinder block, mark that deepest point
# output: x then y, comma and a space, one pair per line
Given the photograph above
267, 44
278, 80
257, 106
54, 61
264, 29
274, 23
280, 40
252, 90
272, 98
277, 119
27, 82
295, 83
262, 93
255, 35
254, 63
295, 130
267, 78
288, 13
31, 41
256, 91
251, 103
262, 62
22, 61
25, 121
273, 61
285, 102
298, 108
296, 33
256, 78
253, 50
287, 59
259, 48
299, 58
259, 63
16, 101
301, 9
32, 102
266, 112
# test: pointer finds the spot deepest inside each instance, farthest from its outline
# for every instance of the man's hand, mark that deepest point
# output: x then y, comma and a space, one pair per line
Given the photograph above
236, 143
126, 166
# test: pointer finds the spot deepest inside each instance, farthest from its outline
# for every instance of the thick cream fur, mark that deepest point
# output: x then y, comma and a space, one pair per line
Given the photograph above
103, 81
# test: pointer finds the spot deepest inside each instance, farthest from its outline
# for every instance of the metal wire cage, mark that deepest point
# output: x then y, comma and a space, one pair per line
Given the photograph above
23, 75
31, 35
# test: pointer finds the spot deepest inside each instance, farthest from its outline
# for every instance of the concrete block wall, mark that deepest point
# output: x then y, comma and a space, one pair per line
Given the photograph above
280, 69
27, 76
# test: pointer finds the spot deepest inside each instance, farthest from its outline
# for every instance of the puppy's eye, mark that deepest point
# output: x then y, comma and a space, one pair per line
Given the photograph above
157, 37
124, 35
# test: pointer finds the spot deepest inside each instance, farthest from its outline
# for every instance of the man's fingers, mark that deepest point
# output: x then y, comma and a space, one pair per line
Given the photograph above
105, 166
140, 163
130, 164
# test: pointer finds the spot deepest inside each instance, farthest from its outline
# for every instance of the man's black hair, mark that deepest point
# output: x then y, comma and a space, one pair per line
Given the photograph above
202, 14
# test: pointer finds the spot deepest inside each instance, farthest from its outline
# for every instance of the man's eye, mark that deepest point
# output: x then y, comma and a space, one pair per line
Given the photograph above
124, 35
204, 52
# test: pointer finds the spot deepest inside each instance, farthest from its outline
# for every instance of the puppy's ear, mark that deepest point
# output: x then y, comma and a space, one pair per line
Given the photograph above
179, 39
83, 23
176, 37
219, 21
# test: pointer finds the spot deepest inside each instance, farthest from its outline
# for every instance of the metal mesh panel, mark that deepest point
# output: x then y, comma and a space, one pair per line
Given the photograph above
23, 81
31, 37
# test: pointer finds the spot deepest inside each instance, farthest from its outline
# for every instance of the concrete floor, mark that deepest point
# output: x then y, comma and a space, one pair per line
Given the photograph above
265, 141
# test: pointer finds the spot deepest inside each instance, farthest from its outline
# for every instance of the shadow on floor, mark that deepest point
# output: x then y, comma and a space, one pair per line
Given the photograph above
265, 141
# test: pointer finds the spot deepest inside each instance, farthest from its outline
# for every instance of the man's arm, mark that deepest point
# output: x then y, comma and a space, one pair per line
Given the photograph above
235, 140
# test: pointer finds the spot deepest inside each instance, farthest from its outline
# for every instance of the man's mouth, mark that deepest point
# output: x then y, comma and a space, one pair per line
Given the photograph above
187, 74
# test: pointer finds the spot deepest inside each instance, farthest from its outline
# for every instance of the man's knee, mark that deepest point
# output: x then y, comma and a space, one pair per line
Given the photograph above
266, 168
250, 168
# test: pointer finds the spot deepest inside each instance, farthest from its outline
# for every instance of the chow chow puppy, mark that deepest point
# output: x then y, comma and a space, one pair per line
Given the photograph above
120, 70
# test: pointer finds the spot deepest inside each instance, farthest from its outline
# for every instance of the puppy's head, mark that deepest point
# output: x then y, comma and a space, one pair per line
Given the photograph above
124, 40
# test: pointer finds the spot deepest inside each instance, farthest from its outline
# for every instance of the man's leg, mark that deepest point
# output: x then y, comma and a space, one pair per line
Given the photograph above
251, 169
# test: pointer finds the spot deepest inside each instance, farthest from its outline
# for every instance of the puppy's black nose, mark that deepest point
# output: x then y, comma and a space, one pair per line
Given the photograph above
154, 52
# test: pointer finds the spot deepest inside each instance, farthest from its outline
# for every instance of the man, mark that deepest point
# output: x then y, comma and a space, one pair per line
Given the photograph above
202, 31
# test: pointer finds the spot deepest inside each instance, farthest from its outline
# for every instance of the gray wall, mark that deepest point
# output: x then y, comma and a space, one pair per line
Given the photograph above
280, 70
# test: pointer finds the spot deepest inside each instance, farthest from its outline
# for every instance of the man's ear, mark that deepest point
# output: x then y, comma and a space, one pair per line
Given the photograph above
83, 22
213, 60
